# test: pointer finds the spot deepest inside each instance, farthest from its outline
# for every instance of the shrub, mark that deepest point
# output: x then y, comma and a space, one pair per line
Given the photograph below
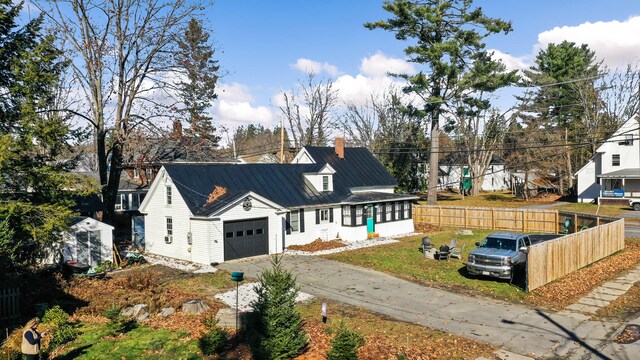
278, 332
345, 344
213, 341
62, 331
104, 266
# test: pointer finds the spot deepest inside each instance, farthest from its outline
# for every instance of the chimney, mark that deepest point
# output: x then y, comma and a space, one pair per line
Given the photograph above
340, 147
177, 129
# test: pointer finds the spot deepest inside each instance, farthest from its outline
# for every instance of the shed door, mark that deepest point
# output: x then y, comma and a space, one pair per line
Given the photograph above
96, 247
246, 238
82, 252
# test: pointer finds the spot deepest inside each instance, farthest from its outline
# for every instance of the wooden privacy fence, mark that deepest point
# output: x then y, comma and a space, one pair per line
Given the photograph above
522, 220
9, 304
555, 258
589, 237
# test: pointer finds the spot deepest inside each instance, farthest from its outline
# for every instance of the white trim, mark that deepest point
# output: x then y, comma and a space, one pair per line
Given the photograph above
253, 195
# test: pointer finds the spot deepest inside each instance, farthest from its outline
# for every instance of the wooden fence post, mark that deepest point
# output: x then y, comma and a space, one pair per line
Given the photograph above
493, 219
575, 223
439, 216
522, 218
464, 214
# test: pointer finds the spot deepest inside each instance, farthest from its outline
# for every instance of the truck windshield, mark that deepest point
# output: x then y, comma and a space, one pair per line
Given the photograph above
499, 243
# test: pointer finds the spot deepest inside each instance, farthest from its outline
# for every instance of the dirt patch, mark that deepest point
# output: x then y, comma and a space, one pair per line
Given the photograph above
318, 245
630, 334
567, 290
162, 274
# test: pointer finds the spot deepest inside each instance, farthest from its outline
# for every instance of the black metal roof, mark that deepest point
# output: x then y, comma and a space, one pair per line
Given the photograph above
283, 184
359, 168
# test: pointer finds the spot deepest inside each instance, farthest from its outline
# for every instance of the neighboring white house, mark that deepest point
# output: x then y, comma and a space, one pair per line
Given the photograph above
613, 172
208, 213
88, 241
451, 170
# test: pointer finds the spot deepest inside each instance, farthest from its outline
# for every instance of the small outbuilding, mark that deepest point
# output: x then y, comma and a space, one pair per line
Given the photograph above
88, 241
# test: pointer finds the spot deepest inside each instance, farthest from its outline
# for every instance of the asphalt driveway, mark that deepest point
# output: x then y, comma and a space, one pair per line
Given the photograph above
516, 328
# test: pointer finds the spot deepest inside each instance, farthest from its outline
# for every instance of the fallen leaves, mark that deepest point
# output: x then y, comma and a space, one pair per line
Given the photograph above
218, 191
569, 289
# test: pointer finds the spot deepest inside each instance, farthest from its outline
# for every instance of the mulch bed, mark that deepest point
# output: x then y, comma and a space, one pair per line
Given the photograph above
427, 228
318, 245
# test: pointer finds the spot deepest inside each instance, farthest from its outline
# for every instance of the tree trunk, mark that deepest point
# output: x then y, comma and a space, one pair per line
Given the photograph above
111, 190
432, 193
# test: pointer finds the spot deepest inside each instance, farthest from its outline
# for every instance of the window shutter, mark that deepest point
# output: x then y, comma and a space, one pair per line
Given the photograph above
331, 215
317, 216
410, 210
353, 216
364, 214
401, 210
301, 220
287, 223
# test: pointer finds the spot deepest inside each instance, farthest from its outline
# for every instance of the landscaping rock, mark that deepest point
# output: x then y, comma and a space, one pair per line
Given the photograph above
464, 232
195, 306
227, 318
166, 312
135, 311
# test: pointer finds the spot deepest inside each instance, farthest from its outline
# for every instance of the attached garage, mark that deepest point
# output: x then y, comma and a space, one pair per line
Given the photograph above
246, 238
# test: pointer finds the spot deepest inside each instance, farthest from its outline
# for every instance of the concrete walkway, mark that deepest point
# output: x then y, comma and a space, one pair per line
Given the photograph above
518, 329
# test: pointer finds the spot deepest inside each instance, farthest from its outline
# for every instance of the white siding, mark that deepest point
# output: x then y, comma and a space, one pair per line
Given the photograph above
395, 228
155, 222
587, 187
313, 231
629, 154
70, 247
200, 248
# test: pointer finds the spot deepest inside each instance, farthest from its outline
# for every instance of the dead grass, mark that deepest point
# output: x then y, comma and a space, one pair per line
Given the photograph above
502, 199
567, 290
624, 308
588, 208
385, 337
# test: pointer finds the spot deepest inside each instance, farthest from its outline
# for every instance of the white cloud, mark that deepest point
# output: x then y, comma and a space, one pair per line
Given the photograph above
379, 65
316, 67
614, 42
511, 62
234, 92
359, 89
235, 113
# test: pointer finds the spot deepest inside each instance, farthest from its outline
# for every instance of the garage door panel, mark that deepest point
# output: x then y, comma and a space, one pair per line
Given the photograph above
245, 238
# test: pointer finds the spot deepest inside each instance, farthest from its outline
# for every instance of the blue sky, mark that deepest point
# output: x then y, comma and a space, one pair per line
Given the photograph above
259, 44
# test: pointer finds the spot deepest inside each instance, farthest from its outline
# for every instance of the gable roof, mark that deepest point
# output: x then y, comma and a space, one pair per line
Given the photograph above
359, 168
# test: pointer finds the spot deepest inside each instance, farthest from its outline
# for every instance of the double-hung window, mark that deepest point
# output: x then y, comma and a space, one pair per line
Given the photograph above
615, 160
324, 215
325, 183
295, 220
346, 215
167, 193
358, 214
169, 226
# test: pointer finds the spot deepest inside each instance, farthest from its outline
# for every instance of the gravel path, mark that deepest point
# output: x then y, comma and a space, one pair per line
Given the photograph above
247, 295
353, 245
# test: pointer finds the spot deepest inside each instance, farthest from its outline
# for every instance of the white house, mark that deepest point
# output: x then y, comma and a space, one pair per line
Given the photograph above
208, 213
613, 172
88, 241
452, 168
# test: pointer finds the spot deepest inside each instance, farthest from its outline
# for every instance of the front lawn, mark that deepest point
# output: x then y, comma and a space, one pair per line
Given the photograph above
404, 260
96, 342
588, 208
497, 199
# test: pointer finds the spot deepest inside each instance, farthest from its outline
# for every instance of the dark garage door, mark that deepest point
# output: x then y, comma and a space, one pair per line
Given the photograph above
245, 238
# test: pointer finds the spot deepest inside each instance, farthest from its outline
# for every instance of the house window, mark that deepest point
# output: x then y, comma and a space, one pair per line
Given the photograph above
168, 195
169, 226
295, 220
388, 210
122, 202
358, 214
136, 174
324, 215
615, 160
325, 183
398, 210
135, 201
346, 215
406, 209
378, 213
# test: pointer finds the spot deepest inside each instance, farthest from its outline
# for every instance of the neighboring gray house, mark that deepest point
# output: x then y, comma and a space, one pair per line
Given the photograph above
208, 213
452, 168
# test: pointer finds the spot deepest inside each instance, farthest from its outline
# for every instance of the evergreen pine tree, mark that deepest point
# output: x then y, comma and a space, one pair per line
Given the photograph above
278, 332
345, 344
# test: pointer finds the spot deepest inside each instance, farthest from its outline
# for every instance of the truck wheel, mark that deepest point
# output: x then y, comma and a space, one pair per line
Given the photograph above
636, 206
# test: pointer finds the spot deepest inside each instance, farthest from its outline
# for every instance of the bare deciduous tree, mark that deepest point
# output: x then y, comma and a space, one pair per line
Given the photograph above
309, 111
119, 51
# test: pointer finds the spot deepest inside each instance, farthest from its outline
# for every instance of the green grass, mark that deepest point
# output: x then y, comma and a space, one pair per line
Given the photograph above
588, 208
96, 342
404, 260
489, 199
205, 284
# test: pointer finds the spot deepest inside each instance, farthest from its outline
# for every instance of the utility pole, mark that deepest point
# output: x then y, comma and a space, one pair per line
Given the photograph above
281, 141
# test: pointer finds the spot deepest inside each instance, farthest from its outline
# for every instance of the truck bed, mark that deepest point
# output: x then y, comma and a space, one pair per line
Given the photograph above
538, 238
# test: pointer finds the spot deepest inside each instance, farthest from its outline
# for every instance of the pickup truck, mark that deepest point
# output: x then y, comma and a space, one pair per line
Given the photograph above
501, 253
635, 204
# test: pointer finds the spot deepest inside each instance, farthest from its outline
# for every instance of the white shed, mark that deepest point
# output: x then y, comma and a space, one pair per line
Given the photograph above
88, 241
